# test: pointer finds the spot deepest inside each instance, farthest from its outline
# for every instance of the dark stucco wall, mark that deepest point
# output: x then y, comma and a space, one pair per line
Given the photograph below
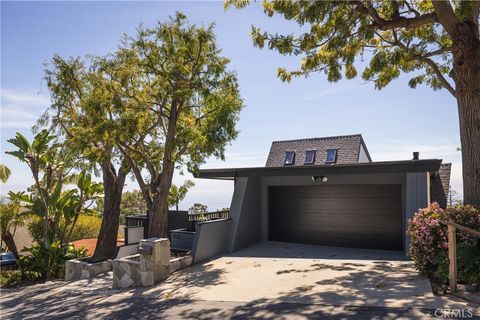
211, 239
247, 223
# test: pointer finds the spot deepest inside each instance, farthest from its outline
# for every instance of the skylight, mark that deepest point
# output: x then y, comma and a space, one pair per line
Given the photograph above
289, 157
309, 157
331, 156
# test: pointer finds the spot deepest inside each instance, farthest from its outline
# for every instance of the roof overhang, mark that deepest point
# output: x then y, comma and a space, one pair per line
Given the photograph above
430, 165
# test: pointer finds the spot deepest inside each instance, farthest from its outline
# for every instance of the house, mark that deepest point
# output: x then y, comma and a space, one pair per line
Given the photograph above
324, 191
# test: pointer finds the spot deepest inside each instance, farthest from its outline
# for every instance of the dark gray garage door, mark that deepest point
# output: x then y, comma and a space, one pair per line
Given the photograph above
359, 216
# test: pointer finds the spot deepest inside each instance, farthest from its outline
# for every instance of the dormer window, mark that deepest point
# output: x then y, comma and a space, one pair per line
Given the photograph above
331, 156
309, 157
289, 158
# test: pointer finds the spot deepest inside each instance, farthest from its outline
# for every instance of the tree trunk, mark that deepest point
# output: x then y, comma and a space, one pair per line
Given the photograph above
466, 74
10, 243
113, 187
159, 218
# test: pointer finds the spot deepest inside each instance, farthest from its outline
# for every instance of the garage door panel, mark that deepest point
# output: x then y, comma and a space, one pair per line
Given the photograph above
366, 216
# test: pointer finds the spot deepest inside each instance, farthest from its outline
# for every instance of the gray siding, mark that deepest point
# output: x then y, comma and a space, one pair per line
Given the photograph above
417, 196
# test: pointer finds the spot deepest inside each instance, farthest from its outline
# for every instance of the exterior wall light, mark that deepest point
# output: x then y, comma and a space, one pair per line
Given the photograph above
322, 178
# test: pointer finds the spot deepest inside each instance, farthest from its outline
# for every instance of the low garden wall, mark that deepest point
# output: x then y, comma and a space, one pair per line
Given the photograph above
77, 269
211, 239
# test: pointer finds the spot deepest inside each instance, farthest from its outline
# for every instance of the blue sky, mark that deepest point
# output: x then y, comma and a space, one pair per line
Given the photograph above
394, 121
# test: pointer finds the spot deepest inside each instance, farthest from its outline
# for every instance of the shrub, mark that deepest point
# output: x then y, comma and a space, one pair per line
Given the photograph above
88, 226
35, 228
429, 241
10, 277
427, 237
49, 263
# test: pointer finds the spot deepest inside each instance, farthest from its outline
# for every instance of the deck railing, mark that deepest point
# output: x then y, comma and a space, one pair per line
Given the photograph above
223, 214
452, 250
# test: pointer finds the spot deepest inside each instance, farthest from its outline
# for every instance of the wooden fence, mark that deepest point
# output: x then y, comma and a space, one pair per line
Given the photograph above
452, 250
224, 214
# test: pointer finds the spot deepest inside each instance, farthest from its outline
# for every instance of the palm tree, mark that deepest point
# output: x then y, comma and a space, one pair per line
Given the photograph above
177, 194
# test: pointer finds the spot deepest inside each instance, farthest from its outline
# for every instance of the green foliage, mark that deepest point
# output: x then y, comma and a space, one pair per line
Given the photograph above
198, 208
56, 210
4, 173
172, 78
165, 98
397, 36
133, 204
177, 194
49, 263
10, 217
468, 264
87, 227
10, 277
429, 241
35, 228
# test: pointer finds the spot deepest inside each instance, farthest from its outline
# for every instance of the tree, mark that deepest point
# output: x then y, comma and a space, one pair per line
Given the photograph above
10, 219
50, 167
177, 194
83, 111
132, 204
198, 208
453, 198
4, 173
435, 40
177, 102
40, 158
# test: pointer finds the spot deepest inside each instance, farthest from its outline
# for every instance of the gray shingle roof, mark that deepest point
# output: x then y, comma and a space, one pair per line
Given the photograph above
348, 149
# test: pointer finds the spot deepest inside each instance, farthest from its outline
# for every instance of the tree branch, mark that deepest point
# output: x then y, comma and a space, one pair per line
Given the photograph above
446, 16
398, 22
440, 76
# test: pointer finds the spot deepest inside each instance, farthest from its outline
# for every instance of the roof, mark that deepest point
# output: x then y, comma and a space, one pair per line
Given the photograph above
348, 149
429, 165
440, 185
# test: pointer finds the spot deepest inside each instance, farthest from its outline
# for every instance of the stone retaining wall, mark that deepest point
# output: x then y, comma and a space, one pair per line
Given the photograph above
77, 269
149, 267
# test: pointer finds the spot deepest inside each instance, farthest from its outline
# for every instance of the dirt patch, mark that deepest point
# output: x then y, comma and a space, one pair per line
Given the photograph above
90, 244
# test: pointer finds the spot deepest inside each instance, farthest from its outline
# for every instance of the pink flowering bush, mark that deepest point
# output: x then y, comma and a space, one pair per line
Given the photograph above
427, 237
429, 241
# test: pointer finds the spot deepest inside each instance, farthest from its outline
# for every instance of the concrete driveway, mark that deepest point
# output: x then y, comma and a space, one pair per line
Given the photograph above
266, 281
307, 274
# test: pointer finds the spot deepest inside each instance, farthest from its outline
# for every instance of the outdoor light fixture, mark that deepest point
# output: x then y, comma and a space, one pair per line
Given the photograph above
322, 178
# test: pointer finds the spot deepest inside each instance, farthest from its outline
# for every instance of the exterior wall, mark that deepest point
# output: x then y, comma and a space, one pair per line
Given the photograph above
417, 195
211, 239
133, 234
249, 209
245, 213
177, 219
126, 250
362, 156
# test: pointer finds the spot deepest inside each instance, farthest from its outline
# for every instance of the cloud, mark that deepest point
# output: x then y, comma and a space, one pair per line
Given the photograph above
21, 109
